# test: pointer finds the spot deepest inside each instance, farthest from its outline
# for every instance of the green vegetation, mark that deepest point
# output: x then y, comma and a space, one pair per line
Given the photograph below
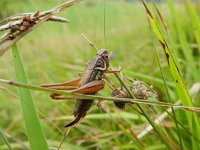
35, 134
56, 52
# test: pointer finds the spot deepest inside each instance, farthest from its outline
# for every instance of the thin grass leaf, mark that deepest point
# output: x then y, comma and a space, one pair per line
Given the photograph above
169, 98
163, 77
35, 133
132, 137
14, 140
181, 125
195, 22
185, 47
92, 97
5, 140
123, 115
182, 91
173, 37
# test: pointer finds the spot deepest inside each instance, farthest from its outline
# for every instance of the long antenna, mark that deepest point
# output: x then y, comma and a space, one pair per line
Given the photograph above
91, 44
104, 23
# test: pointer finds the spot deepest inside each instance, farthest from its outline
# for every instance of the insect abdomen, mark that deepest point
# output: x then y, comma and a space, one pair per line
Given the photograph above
81, 108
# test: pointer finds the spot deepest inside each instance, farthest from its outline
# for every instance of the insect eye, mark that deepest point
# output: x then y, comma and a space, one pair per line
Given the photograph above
106, 55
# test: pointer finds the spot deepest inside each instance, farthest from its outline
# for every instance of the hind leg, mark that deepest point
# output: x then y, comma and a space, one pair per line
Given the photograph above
74, 82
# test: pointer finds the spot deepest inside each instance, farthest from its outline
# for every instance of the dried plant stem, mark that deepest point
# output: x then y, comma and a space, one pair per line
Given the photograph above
64, 136
7, 43
92, 97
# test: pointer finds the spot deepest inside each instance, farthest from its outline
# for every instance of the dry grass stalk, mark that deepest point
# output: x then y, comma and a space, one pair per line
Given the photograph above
21, 24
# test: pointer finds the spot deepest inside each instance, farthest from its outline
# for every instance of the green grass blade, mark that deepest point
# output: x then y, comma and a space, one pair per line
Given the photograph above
182, 126
92, 97
168, 95
35, 133
5, 140
136, 142
185, 47
182, 91
163, 77
195, 21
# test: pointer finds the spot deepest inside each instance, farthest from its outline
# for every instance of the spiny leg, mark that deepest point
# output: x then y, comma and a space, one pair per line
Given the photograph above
110, 83
81, 74
63, 88
116, 92
100, 105
112, 86
74, 82
55, 96
113, 71
91, 87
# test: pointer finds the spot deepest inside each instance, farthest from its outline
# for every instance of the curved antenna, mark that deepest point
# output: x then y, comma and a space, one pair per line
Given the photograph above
91, 44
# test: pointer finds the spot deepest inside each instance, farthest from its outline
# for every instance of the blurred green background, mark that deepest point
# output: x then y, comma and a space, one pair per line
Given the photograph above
56, 52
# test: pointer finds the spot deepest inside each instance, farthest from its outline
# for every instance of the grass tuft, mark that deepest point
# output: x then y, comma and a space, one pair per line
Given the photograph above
180, 86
